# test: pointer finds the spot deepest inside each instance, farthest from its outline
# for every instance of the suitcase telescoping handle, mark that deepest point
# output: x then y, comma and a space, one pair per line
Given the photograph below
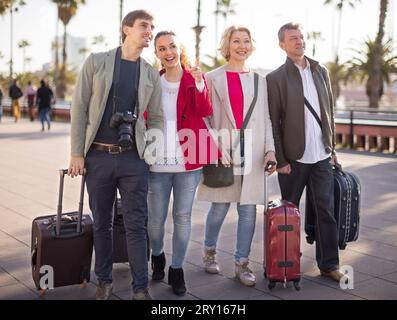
62, 173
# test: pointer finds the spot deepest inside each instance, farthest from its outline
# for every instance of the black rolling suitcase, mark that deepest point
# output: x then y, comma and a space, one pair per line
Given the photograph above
63, 243
347, 191
120, 253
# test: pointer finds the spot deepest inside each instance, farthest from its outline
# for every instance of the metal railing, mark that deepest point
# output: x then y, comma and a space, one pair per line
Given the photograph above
365, 116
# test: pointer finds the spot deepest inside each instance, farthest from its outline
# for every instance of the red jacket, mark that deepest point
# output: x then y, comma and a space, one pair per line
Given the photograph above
192, 107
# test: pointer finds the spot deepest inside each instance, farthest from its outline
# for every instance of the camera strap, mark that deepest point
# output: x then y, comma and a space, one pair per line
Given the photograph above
116, 80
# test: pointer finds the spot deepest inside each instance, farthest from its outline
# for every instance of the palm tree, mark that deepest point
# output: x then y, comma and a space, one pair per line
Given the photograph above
66, 10
314, 36
340, 4
198, 29
99, 40
23, 44
28, 61
121, 19
374, 79
337, 71
216, 62
223, 8
11, 6
360, 67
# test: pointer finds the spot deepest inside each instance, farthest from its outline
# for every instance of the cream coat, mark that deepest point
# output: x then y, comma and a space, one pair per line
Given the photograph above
258, 139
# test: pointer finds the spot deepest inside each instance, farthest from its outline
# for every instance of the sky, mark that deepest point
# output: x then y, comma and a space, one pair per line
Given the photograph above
36, 22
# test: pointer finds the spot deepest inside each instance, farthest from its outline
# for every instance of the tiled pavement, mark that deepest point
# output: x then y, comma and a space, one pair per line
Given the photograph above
29, 160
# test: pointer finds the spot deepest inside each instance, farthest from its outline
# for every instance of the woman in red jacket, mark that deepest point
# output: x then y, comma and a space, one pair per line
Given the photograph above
185, 101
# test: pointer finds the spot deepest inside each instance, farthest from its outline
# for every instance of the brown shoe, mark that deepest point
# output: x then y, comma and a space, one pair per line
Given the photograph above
335, 275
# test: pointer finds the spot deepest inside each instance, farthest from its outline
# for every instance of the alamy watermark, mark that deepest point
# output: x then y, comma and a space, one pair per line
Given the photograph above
46, 277
347, 281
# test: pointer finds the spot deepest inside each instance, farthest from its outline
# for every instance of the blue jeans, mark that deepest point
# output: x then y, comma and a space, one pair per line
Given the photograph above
245, 227
184, 185
44, 116
129, 174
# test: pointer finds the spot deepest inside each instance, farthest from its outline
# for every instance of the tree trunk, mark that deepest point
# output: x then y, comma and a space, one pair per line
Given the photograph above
62, 74
56, 67
11, 43
121, 19
375, 78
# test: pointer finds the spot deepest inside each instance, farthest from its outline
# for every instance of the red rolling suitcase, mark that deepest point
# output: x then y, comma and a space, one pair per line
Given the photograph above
282, 244
63, 243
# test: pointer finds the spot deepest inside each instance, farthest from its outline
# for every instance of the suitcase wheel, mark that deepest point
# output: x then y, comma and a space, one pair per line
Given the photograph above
42, 292
271, 285
297, 286
83, 285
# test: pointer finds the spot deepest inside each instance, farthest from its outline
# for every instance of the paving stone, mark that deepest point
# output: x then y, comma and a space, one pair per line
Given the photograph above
311, 290
17, 292
225, 290
371, 265
376, 289
29, 187
6, 279
392, 277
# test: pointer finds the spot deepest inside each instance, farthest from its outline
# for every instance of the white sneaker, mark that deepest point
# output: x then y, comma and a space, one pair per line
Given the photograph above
244, 274
210, 264
103, 291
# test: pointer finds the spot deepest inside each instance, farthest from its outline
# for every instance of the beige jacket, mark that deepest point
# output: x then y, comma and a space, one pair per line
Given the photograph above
258, 139
89, 102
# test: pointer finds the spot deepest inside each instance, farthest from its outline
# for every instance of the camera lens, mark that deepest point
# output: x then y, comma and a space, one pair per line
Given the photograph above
125, 134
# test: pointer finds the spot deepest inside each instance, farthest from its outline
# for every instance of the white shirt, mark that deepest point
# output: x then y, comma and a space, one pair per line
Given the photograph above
171, 157
314, 145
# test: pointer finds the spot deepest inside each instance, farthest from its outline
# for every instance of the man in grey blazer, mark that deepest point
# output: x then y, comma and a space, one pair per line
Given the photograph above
305, 139
110, 140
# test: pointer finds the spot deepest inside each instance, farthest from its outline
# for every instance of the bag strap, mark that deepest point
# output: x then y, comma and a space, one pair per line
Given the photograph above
253, 103
314, 113
249, 112
245, 122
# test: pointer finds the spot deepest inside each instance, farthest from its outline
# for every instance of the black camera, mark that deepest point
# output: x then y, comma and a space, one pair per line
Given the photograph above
125, 122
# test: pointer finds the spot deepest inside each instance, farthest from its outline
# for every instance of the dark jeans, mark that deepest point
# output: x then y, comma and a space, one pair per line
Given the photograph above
105, 174
45, 116
320, 179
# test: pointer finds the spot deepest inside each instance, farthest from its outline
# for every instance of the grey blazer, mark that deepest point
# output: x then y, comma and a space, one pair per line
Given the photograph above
286, 106
89, 102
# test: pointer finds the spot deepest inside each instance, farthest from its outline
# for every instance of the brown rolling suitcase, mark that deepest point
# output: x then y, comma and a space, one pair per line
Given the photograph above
62, 244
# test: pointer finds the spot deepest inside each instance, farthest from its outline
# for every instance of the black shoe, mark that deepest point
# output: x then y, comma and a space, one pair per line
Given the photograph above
177, 281
158, 265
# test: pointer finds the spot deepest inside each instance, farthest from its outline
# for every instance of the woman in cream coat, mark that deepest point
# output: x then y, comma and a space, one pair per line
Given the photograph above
231, 89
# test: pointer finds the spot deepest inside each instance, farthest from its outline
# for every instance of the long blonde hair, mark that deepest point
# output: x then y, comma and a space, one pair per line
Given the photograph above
183, 56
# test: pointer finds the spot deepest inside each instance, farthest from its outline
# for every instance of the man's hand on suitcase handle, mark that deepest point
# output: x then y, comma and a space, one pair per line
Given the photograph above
76, 166
270, 162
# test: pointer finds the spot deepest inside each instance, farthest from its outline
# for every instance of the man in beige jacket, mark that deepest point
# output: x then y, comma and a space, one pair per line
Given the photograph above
302, 113
109, 138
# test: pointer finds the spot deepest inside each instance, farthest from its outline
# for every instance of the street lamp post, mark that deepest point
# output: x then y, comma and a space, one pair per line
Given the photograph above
11, 41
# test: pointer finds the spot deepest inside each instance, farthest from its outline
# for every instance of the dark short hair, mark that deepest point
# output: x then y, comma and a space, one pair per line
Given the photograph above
131, 17
42, 83
288, 26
